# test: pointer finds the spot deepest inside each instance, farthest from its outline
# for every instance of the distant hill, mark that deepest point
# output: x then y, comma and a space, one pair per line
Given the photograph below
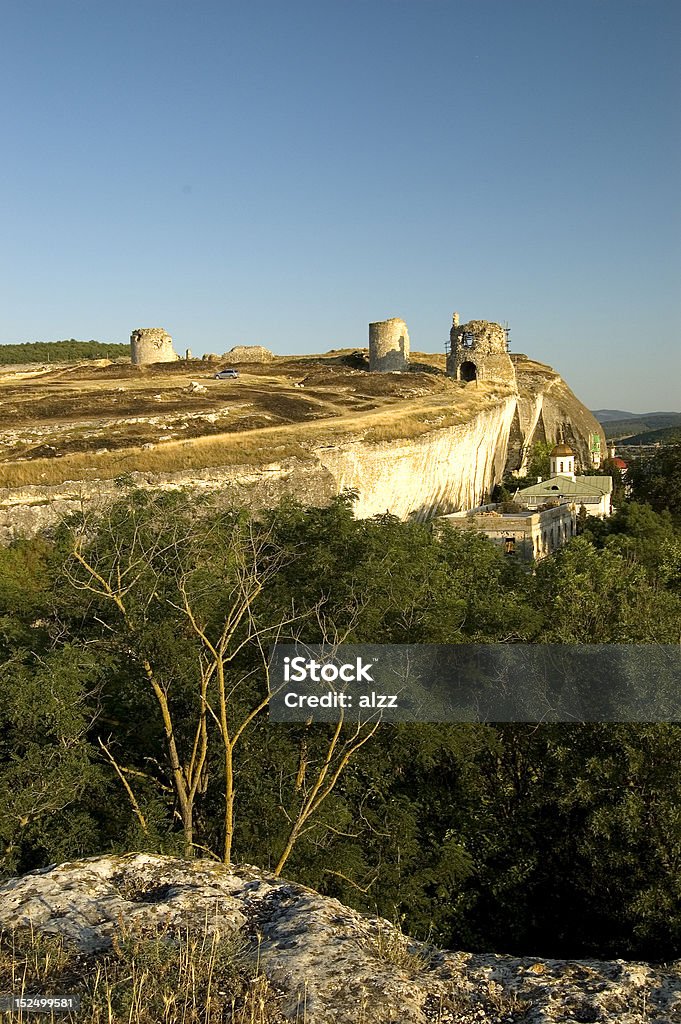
60, 351
666, 435
605, 415
619, 424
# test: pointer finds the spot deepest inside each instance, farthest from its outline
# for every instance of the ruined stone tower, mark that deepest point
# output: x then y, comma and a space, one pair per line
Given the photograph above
478, 350
388, 345
151, 345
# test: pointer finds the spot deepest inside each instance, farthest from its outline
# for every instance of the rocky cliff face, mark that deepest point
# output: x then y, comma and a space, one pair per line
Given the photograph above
450, 468
437, 469
327, 964
547, 410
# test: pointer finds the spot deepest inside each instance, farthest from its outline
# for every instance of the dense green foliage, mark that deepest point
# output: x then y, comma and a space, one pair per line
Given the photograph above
60, 351
554, 840
656, 480
540, 460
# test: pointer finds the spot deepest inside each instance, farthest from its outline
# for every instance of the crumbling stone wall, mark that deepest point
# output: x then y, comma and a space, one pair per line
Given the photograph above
478, 350
388, 345
151, 345
249, 354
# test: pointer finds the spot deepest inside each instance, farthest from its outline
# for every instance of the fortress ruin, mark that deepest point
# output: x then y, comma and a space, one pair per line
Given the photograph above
151, 345
478, 350
249, 354
388, 345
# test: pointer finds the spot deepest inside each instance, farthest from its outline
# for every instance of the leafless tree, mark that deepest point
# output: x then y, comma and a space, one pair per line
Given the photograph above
129, 577
128, 567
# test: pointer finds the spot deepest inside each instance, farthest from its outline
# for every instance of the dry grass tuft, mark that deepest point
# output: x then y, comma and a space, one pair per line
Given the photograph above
147, 979
392, 946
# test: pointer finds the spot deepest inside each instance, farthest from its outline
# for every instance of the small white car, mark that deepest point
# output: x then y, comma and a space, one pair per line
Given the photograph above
225, 375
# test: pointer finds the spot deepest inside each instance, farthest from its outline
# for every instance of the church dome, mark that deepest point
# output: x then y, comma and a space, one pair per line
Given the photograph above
562, 449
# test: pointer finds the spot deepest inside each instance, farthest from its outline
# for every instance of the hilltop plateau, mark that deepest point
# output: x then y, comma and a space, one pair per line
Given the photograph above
412, 442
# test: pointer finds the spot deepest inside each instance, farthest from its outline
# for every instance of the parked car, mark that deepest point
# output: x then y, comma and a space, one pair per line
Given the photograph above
225, 374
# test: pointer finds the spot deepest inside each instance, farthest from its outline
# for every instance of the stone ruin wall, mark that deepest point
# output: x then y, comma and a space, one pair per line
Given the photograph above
488, 337
249, 354
388, 345
484, 344
151, 345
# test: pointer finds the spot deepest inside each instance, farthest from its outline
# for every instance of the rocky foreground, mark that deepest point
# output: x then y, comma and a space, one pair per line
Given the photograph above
329, 964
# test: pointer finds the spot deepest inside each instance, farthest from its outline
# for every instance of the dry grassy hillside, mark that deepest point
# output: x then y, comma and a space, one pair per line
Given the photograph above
101, 421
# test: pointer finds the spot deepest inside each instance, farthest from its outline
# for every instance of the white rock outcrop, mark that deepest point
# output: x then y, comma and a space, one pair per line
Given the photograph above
330, 963
450, 468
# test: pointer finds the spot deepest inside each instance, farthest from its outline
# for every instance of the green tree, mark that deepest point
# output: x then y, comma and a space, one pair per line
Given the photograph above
60, 351
594, 596
174, 592
539, 463
577, 843
50, 782
180, 591
656, 479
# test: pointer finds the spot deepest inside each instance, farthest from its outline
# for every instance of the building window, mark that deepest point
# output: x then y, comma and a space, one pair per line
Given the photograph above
509, 545
561, 468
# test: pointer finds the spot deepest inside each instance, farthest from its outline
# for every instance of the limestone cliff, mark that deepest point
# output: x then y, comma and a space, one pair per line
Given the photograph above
326, 964
547, 410
428, 455
449, 468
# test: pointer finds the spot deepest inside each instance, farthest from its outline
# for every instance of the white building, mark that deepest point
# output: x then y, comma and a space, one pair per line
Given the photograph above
594, 492
528, 534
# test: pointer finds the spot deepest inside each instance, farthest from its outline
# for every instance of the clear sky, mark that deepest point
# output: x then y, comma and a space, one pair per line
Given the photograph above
282, 172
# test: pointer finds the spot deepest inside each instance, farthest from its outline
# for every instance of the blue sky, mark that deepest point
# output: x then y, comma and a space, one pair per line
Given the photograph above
281, 173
